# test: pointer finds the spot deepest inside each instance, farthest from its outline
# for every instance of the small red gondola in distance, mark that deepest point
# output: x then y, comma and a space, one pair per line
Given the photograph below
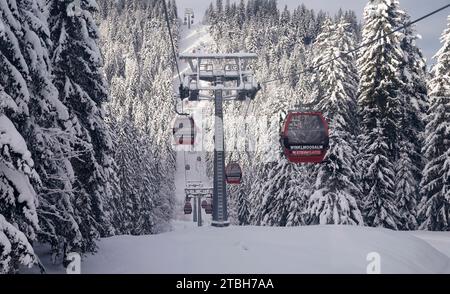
184, 130
209, 208
305, 137
233, 173
187, 207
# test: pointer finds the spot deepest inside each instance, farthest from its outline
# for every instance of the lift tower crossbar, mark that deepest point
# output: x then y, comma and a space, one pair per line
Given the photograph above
219, 77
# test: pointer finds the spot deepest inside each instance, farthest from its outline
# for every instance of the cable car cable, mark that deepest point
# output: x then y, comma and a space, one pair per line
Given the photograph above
313, 68
166, 13
175, 62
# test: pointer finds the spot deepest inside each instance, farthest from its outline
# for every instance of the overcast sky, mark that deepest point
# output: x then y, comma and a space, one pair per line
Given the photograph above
430, 29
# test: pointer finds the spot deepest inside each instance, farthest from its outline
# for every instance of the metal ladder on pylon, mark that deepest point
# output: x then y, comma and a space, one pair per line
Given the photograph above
220, 216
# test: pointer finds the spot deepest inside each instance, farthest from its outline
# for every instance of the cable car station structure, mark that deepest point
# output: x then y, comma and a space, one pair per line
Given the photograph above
219, 78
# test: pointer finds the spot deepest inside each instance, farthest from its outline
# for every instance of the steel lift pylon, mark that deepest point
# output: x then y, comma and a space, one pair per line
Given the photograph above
219, 77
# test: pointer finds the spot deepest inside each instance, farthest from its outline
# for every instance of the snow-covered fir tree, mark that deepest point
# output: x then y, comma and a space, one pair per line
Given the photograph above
380, 98
273, 210
41, 118
243, 204
434, 212
78, 77
300, 190
138, 69
336, 191
411, 119
18, 199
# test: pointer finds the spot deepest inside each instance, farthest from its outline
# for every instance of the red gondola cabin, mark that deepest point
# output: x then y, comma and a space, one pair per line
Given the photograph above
184, 130
305, 137
187, 207
209, 208
233, 173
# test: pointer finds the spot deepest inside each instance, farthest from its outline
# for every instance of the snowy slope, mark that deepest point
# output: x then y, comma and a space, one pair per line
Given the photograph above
268, 250
439, 240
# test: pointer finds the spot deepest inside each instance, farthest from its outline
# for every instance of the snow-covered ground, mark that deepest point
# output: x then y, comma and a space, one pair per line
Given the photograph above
269, 250
439, 240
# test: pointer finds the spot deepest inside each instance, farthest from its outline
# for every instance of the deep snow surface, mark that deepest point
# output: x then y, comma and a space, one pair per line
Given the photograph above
269, 250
